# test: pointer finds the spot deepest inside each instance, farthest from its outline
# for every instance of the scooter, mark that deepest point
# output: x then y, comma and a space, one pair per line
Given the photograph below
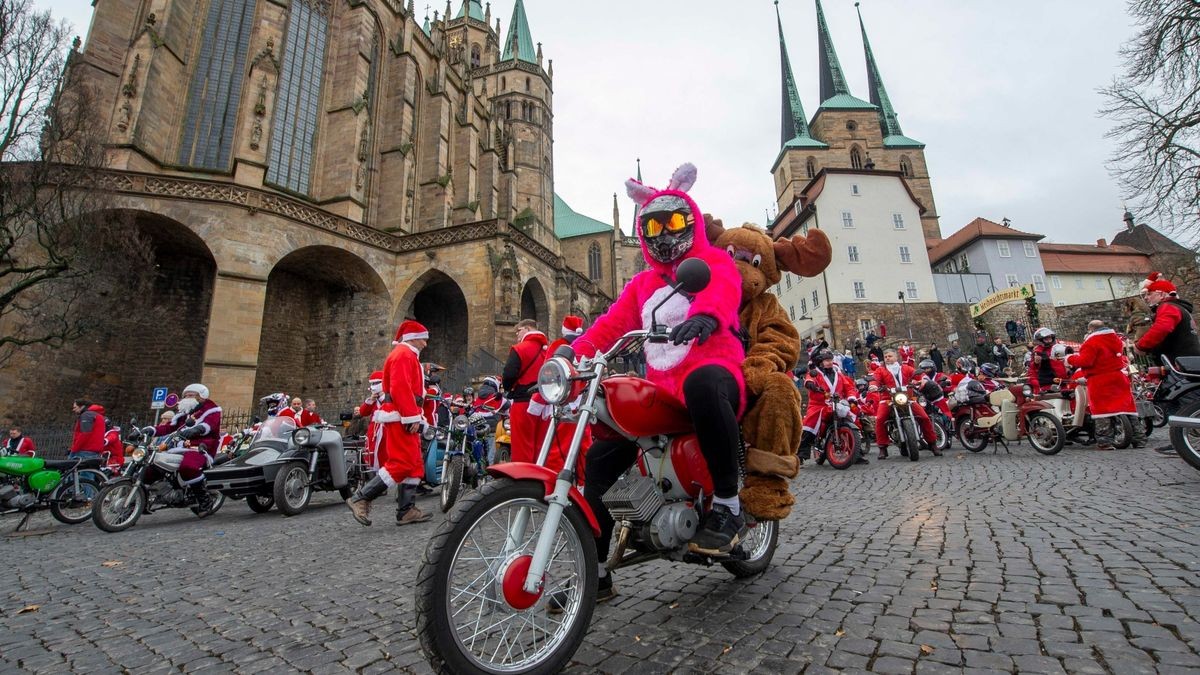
1006, 415
508, 582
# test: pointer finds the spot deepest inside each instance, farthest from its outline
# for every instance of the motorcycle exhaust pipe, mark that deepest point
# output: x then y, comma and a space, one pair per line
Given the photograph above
1184, 422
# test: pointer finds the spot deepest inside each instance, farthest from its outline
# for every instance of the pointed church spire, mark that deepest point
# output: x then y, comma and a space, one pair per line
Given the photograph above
519, 44
832, 80
889, 124
471, 8
639, 164
795, 124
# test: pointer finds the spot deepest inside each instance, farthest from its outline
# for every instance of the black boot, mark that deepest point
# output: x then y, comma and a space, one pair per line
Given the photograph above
360, 503
204, 502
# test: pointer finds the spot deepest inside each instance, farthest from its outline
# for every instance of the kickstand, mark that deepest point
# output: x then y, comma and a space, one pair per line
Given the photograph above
1001, 441
20, 530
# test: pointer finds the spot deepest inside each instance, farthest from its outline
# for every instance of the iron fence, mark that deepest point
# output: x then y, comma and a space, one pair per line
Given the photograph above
53, 439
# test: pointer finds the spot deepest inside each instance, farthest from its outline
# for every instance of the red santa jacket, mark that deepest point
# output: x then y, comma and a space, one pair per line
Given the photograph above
1042, 368
367, 410
524, 361
888, 381
207, 416
89, 431
1101, 358
303, 418
404, 385
906, 354
114, 447
21, 445
820, 386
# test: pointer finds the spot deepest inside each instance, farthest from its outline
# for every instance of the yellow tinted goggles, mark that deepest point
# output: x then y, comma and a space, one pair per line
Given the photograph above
654, 225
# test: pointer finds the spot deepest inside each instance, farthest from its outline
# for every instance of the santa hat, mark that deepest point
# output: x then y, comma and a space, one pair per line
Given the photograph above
376, 376
410, 330
1157, 282
572, 326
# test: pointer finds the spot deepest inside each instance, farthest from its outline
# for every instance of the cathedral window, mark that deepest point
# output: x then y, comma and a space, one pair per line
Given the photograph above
906, 167
856, 161
475, 56
297, 111
528, 85
851, 125
594, 266
503, 83
215, 91
810, 167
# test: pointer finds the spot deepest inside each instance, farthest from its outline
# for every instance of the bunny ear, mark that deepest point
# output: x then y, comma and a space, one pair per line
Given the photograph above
684, 177
713, 228
806, 256
638, 192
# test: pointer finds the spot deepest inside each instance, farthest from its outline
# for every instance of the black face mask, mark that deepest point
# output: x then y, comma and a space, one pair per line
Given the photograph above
664, 244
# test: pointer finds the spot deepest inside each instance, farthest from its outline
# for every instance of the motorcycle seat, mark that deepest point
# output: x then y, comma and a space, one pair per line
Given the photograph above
68, 464
1188, 364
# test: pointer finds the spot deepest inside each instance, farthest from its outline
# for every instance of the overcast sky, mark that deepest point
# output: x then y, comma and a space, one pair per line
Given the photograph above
1003, 94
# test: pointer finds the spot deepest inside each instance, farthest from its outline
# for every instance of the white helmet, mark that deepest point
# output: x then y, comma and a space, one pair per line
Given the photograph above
1043, 333
197, 389
1058, 351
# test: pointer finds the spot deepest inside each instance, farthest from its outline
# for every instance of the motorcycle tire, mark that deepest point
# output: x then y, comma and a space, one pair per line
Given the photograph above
63, 513
1038, 419
452, 482
1187, 441
841, 448
438, 619
970, 436
943, 437
260, 504
911, 443
1123, 433
217, 499
291, 489
760, 546
122, 521
1158, 421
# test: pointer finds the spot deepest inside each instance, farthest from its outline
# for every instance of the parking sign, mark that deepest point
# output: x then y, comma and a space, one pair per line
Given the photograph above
158, 398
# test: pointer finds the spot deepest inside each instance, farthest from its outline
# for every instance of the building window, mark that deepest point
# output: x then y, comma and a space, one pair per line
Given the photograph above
847, 219
1005, 252
594, 265
475, 54
816, 300
810, 167
1012, 280
787, 279
851, 125
864, 326
964, 264
910, 287
905, 255
852, 253
1056, 281
855, 158
803, 307
503, 83
792, 311
854, 192
860, 291
1030, 250
1039, 284
898, 221
1099, 283
906, 167
215, 92
297, 110
527, 85
1079, 283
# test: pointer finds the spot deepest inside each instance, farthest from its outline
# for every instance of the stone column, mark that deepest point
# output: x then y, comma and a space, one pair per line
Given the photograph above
235, 325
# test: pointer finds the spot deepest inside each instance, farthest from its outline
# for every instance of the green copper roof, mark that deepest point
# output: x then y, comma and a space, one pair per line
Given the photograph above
901, 141
888, 122
426, 27
845, 102
568, 223
475, 8
804, 142
833, 82
795, 124
519, 43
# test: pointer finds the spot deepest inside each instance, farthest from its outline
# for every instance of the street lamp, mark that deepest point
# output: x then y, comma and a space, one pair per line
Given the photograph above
904, 301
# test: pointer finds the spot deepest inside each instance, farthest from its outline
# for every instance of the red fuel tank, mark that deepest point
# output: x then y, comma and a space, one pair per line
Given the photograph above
689, 464
640, 408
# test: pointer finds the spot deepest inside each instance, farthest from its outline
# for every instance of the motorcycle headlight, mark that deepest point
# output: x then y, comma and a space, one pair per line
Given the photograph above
554, 380
428, 433
900, 398
460, 423
138, 454
302, 436
1027, 391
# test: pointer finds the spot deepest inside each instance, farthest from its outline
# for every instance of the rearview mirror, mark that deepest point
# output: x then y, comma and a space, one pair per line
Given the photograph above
692, 276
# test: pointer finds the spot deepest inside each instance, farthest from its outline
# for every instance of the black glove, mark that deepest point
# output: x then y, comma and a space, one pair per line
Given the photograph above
697, 328
191, 432
811, 386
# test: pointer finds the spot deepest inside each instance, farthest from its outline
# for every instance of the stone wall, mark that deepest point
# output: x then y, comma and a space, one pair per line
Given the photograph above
1073, 319
930, 322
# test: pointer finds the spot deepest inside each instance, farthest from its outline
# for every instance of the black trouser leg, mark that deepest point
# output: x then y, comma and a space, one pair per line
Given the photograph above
406, 494
712, 397
606, 461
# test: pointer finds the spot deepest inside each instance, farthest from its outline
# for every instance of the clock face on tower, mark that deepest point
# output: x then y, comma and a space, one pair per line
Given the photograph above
456, 40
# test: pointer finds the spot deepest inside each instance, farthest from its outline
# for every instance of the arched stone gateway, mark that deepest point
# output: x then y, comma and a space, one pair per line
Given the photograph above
136, 338
535, 306
324, 328
438, 302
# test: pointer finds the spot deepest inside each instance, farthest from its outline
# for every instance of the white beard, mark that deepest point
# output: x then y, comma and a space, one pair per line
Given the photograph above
187, 405
674, 312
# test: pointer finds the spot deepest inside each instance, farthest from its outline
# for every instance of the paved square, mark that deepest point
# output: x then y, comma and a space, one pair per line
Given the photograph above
1085, 562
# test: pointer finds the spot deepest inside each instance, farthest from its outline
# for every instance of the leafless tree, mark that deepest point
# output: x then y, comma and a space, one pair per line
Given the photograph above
1156, 106
65, 259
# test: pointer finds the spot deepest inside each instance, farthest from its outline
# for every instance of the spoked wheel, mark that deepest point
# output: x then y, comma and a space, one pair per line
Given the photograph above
473, 614
911, 443
1159, 419
1122, 432
1187, 441
259, 504
118, 507
73, 506
841, 448
292, 490
759, 545
452, 477
944, 438
970, 436
1046, 433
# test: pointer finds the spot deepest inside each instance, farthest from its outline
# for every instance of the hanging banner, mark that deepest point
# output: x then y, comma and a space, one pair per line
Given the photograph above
1012, 294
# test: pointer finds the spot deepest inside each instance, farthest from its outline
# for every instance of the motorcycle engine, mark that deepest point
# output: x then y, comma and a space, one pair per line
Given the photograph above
171, 495
634, 498
12, 498
673, 526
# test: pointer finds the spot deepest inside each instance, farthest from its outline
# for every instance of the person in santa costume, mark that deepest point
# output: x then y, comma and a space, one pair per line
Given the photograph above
114, 447
367, 410
301, 413
906, 353
1173, 333
821, 382
398, 430
894, 375
520, 381
198, 422
572, 327
18, 443
1044, 369
1101, 358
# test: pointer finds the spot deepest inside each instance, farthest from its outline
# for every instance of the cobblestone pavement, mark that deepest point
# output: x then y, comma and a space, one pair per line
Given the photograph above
989, 563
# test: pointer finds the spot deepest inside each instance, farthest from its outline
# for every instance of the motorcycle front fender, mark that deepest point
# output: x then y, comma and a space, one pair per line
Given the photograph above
337, 467
116, 480
526, 471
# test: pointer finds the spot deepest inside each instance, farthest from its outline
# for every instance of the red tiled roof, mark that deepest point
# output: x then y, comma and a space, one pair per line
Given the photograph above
1088, 258
976, 229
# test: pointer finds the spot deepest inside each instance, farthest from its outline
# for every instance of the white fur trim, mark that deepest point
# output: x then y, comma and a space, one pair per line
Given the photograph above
536, 408
386, 477
385, 416
411, 419
422, 335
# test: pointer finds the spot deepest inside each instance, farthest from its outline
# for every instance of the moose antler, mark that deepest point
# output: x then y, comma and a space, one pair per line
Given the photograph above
713, 228
806, 256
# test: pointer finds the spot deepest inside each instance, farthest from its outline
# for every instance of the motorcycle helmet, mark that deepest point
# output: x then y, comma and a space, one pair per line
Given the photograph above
822, 355
1058, 351
1042, 334
990, 369
965, 364
927, 366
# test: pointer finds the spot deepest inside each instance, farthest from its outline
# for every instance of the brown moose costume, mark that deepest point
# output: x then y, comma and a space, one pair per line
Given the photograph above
772, 424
